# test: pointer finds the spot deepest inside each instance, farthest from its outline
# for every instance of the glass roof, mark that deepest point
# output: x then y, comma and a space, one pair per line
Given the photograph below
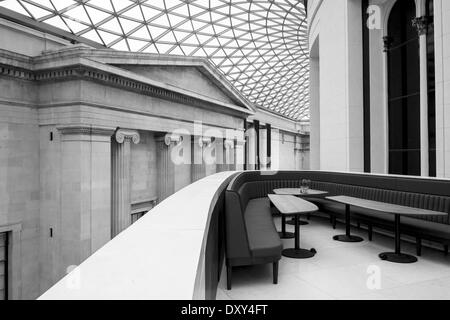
259, 45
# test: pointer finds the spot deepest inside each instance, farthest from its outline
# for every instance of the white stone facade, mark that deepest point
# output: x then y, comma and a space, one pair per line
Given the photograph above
335, 35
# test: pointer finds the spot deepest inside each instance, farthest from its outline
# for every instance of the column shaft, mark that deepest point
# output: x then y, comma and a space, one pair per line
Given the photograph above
166, 167
424, 132
121, 180
197, 164
121, 218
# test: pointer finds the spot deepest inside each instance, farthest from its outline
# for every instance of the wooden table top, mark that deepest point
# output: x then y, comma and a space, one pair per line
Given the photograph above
297, 192
291, 205
385, 207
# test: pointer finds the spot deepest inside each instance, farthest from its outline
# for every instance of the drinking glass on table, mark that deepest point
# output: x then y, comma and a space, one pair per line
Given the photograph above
305, 184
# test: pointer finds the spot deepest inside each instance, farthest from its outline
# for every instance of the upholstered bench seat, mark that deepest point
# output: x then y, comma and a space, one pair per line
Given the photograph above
248, 210
262, 234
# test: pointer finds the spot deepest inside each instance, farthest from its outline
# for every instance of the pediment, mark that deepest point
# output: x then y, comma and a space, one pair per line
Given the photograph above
186, 77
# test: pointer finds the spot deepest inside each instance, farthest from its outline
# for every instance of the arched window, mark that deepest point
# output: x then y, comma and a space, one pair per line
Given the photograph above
404, 90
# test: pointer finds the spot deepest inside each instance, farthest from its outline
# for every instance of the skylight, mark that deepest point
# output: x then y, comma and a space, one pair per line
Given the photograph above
259, 45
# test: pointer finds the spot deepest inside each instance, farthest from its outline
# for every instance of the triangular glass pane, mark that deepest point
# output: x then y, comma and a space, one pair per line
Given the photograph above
75, 26
14, 6
149, 13
96, 15
134, 13
62, 4
92, 35
119, 5
177, 51
164, 48
142, 33
79, 14
112, 25
128, 25
57, 22
37, 12
103, 4
107, 37
136, 45
121, 46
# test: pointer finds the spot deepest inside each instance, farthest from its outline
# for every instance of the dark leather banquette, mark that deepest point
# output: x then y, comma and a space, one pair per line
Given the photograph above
251, 237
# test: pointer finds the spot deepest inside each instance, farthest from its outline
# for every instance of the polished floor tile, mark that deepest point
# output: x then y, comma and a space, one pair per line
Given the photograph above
343, 271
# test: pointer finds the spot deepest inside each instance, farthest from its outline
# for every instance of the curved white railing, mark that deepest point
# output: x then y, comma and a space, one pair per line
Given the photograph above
161, 256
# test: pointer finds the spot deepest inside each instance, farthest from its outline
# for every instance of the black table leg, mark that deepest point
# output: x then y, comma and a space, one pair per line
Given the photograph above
347, 237
283, 234
397, 256
297, 252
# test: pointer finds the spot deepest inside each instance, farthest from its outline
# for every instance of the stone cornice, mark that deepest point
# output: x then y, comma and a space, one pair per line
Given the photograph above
122, 135
82, 129
77, 70
16, 72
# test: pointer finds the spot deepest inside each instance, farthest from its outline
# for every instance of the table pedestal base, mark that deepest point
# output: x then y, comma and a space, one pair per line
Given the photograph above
397, 257
299, 253
286, 235
346, 238
300, 222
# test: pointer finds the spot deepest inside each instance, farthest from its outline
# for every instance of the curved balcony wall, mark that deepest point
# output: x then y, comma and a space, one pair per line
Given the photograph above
176, 252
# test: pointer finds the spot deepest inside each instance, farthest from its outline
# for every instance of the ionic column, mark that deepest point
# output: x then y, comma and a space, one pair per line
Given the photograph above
251, 150
228, 155
219, 150
121, 179
210, 156
165, 165
421, 23
198, 170
239, 149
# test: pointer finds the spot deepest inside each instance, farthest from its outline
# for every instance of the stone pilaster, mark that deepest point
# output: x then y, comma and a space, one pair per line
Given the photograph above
421, 24
165, 164
121, 179
80, 217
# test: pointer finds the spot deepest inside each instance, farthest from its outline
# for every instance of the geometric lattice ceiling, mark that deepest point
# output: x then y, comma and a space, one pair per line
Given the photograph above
259, 45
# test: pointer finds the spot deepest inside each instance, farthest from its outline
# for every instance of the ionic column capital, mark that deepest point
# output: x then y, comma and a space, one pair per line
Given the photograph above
240, 143
125, 134
228, 144
170, 138
204, 141
421, 24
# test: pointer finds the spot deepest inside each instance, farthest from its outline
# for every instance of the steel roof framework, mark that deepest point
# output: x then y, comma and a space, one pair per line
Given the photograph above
259, 45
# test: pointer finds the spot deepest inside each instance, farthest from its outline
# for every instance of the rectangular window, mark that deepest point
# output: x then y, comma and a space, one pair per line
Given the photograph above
3, 266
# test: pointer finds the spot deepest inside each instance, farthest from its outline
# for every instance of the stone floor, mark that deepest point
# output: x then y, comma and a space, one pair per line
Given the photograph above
343, 271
